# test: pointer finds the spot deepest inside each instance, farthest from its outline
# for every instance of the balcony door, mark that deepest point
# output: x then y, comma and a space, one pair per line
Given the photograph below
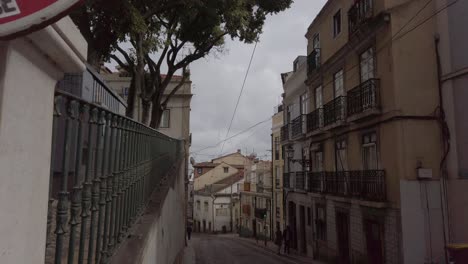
341, 155
338, 84
369, 151
318, 97
367, 64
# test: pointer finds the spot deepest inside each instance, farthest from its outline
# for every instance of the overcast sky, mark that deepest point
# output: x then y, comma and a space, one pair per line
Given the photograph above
217, 82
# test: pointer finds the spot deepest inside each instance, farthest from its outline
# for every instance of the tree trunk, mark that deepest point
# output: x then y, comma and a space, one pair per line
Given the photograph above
146, 105
156, 114
94, 59
131, 98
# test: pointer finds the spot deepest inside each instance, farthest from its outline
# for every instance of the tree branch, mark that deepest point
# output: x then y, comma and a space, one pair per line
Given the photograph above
121, 64
126, 56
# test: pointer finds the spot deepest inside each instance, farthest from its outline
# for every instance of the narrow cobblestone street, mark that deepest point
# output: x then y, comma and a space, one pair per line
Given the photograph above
211, 249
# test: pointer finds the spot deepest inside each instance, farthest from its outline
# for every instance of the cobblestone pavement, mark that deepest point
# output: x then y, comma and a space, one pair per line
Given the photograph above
212, 249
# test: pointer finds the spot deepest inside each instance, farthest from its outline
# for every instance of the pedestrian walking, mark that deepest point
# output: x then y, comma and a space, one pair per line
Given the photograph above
287, 239
278, 239
189, 231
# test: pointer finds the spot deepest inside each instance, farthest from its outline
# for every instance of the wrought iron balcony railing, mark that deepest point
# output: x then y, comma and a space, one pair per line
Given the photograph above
104, 169
297, 126
313, 60
365, 185
334, 111
363, 97
285, 132
286, 180
315, 120
299, 180
358, 14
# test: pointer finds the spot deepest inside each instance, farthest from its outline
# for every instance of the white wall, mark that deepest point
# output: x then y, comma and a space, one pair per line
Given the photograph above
200, 214
29, 70
220, 220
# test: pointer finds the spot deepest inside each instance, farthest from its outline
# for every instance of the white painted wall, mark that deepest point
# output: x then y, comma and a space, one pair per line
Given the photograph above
222, 220
200, 214
29, 69
421, 221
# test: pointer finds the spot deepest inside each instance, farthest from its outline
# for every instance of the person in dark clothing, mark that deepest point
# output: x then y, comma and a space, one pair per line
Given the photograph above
279, 239
287, 239
189, 232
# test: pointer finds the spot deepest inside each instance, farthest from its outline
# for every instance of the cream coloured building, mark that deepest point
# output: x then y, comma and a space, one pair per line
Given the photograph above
363, 136
277, 166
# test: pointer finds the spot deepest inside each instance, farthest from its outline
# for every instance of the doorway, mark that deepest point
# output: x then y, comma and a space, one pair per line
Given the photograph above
373, 230
302, 230
342, 227
254, 227
292, 224
204, 226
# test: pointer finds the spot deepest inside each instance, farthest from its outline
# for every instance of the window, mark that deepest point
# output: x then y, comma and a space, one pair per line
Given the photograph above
337, 23
165, 119
340, 154
317, 158
320, 223
226, 169
369, 151
199, 170
221, 211
198, 205
309, 217
277, 147
288, 114
338, 83
318, 97
316, 41
304, 103
206, 206
367, 62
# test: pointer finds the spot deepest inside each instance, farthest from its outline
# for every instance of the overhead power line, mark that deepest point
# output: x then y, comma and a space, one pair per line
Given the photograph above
240, 94
233, 136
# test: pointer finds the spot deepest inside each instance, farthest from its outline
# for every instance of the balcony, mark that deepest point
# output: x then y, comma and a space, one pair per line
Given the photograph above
365, 185
313, 61
285, 132
299, 181
334, 112
359, 14
297, 127
315, 120
363, 100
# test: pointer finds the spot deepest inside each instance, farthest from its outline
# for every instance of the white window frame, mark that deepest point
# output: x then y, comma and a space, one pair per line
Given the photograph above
337, 26
166, 115
367, 147
338, 84
367, 64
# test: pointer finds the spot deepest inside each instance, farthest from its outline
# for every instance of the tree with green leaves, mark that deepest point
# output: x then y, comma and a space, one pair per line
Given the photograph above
158, 32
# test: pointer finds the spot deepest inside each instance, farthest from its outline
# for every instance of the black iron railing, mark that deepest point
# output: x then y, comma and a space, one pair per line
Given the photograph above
285, 132
315, 120
359, 13
365, 185
363, 97
316, 182
334, 110
300, 180
313, 60
297, 126
286, 182
104, 169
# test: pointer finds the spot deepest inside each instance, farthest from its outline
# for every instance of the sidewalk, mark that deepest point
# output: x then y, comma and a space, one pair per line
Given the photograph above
274, 249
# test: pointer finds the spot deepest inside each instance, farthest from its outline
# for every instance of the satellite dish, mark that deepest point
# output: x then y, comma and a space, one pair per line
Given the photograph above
192, 161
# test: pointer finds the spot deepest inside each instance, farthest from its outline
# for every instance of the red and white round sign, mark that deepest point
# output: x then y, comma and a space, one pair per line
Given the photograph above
19, 17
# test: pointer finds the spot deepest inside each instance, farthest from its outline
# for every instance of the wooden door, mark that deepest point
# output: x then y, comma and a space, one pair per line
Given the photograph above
374, 239
342, 227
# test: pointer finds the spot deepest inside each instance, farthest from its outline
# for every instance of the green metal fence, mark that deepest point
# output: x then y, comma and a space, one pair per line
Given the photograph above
104, 169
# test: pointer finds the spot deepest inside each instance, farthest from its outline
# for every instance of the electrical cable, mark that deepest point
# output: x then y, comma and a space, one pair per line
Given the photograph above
240, 94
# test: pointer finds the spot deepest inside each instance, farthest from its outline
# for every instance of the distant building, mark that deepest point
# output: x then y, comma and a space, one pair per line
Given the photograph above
256, 218
278, 166
215, 192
